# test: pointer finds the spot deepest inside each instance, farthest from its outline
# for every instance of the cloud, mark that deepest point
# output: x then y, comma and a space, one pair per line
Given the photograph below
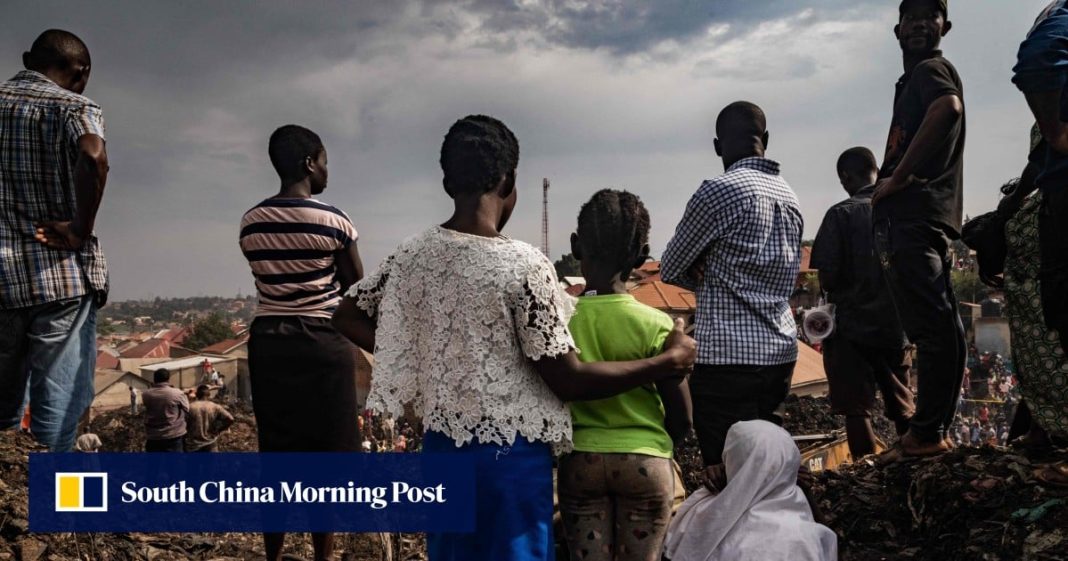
607, 93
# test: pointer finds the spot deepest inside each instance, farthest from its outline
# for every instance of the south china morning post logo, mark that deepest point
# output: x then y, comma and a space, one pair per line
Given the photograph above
81, 492
241, 492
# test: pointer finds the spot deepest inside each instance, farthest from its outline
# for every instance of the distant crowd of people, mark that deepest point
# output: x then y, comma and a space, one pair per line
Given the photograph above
471, 329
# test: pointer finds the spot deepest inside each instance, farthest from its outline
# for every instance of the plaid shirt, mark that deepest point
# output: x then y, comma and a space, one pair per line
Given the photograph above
745, 228
40, 124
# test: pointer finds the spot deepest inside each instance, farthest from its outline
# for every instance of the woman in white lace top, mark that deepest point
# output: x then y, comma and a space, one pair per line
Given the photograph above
471, 328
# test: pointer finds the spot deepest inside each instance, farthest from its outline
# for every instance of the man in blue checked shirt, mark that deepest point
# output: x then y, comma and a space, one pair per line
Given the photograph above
1041, 73
738, 248
53, 166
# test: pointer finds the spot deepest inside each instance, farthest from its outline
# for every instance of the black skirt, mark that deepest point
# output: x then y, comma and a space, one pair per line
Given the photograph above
303, 376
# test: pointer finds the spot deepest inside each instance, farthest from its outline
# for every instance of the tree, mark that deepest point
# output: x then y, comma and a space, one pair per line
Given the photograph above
968, 287
208, 331
567, 266
105, 327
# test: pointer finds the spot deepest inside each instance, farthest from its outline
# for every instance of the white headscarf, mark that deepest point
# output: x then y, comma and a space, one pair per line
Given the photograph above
761, 515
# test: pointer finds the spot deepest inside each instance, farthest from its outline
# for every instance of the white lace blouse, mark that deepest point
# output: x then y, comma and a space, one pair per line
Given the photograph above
460, 318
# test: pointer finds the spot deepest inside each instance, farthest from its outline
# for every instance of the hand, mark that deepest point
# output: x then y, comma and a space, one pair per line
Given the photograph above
891, 185
682, 348
715, 478
59, 235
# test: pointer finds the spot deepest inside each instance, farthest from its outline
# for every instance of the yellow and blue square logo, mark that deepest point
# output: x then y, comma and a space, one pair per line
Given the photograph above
81, 492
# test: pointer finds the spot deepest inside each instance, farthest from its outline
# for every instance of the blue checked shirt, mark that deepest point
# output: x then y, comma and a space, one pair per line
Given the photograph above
40, 124
745, 228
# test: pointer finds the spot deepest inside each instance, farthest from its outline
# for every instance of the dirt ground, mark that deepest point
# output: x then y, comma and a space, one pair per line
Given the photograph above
975, 504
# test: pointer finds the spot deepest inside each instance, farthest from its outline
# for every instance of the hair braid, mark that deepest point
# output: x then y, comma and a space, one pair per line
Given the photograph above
613, 227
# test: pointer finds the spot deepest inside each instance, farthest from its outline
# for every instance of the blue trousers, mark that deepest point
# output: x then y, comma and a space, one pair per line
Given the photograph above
513, 503
48, 356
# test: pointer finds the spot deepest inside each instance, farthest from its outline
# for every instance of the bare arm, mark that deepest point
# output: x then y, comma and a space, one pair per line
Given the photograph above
573, 380
943, 114
349, 267
678, 407
354, 323
90, 176
1046, 107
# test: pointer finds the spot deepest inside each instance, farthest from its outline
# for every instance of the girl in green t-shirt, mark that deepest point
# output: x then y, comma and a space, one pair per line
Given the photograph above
616, 489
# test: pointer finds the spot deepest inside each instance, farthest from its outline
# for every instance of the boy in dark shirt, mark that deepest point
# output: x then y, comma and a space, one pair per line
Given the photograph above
867, 350
916, 210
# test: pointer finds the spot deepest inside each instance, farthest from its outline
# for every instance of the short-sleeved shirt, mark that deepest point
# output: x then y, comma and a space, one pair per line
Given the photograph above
941, 199
291, 246
616, 327
165, 410
460, 320
40, 124
852, 277
1042, 66
203, 423
745, 228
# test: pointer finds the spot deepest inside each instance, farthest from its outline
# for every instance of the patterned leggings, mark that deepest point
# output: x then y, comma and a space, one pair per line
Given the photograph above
615, 507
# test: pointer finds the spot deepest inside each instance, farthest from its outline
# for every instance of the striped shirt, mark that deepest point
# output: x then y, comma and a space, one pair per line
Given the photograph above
291, 246
40, 124
746, 226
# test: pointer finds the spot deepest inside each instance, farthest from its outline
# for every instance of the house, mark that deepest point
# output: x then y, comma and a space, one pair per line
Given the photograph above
106, 361
675, 301
810, 379
174, 335
236, 349
365, 363
111, 389
189, 372
806, 292
152, 348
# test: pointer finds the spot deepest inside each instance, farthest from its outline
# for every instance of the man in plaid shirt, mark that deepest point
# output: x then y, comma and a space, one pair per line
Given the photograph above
53, 166
738, 247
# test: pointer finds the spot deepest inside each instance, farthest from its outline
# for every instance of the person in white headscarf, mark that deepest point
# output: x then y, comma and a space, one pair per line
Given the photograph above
761, 515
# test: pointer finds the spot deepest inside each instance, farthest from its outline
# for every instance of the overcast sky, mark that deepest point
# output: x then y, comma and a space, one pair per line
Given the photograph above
601, 93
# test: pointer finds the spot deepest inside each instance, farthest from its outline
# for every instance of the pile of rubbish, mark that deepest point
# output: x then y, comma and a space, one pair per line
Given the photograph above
970, 504
975, 504
121, 432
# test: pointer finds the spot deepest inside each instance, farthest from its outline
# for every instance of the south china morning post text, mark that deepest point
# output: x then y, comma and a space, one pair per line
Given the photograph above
247, 492
211, 492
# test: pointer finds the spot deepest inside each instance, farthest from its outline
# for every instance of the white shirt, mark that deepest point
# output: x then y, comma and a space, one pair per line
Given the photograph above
461, 318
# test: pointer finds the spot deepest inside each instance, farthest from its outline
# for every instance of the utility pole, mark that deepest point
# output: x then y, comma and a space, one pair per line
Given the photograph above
545, 217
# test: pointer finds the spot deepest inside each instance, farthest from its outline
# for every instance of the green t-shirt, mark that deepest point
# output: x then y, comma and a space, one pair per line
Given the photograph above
617, 327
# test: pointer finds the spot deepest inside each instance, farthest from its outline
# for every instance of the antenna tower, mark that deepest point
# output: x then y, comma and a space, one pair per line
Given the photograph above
545, 216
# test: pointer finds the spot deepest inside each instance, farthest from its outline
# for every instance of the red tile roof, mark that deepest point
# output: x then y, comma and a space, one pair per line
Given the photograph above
223, 347
153, 348
665, 297
106, 360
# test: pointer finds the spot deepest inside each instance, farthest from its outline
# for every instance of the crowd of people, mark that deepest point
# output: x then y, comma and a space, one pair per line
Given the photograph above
471, 329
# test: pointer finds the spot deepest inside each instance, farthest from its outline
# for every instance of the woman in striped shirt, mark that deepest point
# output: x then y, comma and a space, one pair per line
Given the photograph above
303, 255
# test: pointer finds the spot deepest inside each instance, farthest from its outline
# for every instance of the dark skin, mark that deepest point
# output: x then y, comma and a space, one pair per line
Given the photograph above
605, 278
349, 265
859, 431
1046, 107
90, 168
349, 271
569, 378
732, 145
920, 33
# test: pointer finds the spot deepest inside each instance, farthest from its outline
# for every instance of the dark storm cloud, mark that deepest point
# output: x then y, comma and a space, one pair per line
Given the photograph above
627, 27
